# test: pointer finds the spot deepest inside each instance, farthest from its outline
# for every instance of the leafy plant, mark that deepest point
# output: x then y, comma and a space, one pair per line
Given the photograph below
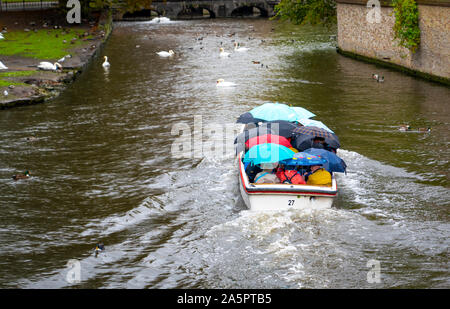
302, 12
406, 27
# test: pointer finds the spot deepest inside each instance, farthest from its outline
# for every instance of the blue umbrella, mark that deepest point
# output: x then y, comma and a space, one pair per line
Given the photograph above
334, 163
305, 159
268, 153
309, 122
274, 111
302, 113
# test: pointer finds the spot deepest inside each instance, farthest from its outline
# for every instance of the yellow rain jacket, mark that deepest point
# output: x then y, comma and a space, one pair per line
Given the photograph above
321, 177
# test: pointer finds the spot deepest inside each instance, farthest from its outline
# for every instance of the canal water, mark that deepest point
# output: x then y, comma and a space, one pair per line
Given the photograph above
104, 170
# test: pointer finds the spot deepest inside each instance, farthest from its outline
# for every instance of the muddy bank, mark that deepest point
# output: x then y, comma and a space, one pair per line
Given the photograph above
23, 82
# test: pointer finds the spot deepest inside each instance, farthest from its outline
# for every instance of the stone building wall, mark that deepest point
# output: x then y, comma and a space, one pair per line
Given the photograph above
376, 40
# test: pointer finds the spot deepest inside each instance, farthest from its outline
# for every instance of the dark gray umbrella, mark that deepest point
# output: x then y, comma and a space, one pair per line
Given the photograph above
247, 134
302, 142
281, 127
248, 118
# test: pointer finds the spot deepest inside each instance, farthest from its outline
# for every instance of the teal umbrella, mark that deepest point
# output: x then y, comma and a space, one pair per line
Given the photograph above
274, 111
302, 113
268, 153
314, 123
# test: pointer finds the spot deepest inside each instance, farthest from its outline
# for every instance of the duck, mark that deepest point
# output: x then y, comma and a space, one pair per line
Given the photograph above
1, 36
166, 54
404, 128
256, 62
239, 49
5, 93
424, 129
106, 64
47, 66
2, 66
380, 79
223, 53
99, 248
32, 138
222, 83
375, 76
25, 175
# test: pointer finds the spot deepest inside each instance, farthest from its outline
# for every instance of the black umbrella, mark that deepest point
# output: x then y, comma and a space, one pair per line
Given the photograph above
247, 134
281, 127
248, 118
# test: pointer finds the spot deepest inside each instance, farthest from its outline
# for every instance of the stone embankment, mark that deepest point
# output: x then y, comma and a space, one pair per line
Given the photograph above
23, 82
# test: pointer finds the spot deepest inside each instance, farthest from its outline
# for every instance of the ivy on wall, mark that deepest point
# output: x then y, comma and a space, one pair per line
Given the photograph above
406, 27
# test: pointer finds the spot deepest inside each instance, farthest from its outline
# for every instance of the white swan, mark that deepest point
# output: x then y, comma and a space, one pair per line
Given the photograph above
239, 49
106, 64
222, 83
223, 53
2, 66
160, 20
166, 54
47, 66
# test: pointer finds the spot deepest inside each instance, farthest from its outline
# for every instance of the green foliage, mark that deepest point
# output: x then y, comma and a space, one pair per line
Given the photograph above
302, 12
406, 27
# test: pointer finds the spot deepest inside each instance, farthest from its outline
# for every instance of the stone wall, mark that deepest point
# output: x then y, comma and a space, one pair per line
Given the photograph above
376, 40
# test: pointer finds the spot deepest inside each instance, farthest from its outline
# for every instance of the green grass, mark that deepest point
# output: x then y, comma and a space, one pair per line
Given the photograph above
42, 44
6, 83
17, 73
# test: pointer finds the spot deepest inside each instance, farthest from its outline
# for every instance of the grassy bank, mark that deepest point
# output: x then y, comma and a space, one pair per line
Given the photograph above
41, 44
7, 78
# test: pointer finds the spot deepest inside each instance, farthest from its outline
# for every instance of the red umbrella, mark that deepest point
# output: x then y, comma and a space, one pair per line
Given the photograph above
268, 138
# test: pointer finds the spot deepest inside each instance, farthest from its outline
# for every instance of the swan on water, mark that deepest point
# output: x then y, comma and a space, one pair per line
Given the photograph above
2, 66
160, 20
47, 66
239, 49
166, 54
223, 53
106, 64
222, 83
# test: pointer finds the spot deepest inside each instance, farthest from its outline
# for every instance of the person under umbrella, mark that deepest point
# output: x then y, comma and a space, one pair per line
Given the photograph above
333, 164
289, 170
267, 156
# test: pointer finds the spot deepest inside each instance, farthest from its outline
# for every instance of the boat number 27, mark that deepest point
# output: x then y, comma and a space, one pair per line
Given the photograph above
291, 202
